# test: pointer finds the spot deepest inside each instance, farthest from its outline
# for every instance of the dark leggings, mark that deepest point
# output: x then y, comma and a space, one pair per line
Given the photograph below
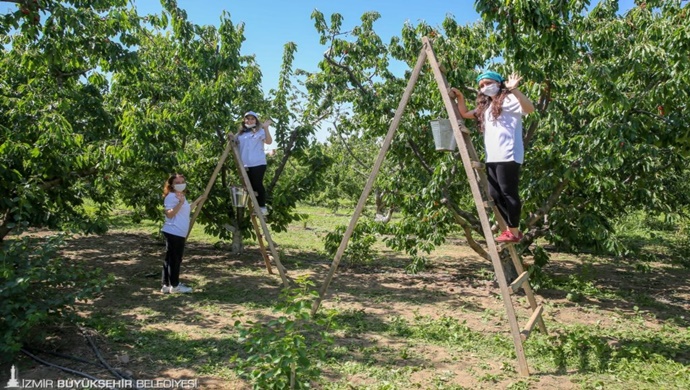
256, 178
174, 248
504, 178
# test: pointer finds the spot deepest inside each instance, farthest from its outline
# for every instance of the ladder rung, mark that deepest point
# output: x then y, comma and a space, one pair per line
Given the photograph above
517, 283
462, 127
530, 324
477, 165
488, 204
503, 245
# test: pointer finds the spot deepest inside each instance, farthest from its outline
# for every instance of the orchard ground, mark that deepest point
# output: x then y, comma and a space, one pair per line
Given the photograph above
613, 323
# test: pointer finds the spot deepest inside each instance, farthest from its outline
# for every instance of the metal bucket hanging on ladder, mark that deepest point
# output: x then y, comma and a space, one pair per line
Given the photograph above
239, 196
443, 135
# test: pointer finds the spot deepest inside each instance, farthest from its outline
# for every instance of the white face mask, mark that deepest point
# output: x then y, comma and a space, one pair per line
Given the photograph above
179, 187
490, 90
250, 126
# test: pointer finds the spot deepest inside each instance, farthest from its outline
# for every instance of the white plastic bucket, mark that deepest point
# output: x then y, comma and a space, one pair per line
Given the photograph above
443, 135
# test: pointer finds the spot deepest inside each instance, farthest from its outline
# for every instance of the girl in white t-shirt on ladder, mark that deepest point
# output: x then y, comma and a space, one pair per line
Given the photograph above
251, 139
499, 110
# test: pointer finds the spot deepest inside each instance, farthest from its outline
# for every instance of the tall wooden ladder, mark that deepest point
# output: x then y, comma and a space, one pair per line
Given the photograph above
257, 217
476, 174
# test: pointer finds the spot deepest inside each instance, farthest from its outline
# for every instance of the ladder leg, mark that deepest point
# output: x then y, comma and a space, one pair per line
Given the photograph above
464, 142
372, 176
258, 214
262, 247
526, 287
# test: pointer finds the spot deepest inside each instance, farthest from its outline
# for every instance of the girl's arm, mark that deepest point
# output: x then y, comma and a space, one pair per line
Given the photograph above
176, 209
462, 107
525, 103
268, 140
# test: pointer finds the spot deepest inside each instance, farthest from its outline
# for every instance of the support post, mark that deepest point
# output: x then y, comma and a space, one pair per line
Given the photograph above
372, 177
212, 180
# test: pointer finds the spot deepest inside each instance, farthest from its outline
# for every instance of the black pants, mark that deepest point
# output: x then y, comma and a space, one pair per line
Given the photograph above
504, 178
174, 249
256, 178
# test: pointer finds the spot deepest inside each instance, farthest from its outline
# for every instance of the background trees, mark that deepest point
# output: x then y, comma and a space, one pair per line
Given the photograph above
608, 136
98, 105
56, 133
187, 98
98, 101
58, 147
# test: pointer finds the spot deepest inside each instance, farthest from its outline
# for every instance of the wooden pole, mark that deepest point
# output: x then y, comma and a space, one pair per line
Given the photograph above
257, 212
479, 202
211, 181
262, 247
372, 177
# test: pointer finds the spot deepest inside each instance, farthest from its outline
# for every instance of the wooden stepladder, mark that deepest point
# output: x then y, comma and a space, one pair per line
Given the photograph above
231, 145
476, 174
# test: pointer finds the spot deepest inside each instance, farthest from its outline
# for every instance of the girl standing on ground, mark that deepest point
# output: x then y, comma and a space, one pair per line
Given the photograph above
499, 110
175, 229
251, 138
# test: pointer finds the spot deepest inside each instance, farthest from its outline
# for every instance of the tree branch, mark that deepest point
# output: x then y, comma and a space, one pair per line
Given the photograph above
653, 115
58, 73
530, 132
288, 152
418, 154
542, 105
349, 151
350, 75
550, 202
48, 184
466, 227
466, 220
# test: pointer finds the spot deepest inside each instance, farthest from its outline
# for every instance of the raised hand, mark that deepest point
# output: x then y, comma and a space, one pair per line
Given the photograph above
513, 81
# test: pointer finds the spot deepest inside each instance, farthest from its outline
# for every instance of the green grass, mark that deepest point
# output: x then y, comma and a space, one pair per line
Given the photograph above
637, 340
656, 238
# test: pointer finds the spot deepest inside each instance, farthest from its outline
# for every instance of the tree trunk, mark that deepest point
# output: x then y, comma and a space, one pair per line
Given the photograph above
382, 216
234, 229
508, 267
4, 230
237, 246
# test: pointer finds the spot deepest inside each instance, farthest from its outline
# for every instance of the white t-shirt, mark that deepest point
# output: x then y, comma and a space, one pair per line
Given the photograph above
252, 148
179, 224
503, 135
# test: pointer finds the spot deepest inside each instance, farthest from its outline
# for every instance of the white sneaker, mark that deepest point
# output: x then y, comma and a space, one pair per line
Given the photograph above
264, 211
166, 289
181, 288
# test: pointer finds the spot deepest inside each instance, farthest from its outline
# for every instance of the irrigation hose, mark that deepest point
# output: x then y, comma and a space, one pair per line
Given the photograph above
113, 371
65, 369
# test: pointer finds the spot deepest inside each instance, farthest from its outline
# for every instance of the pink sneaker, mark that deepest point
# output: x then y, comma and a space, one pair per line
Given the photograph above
508, 236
